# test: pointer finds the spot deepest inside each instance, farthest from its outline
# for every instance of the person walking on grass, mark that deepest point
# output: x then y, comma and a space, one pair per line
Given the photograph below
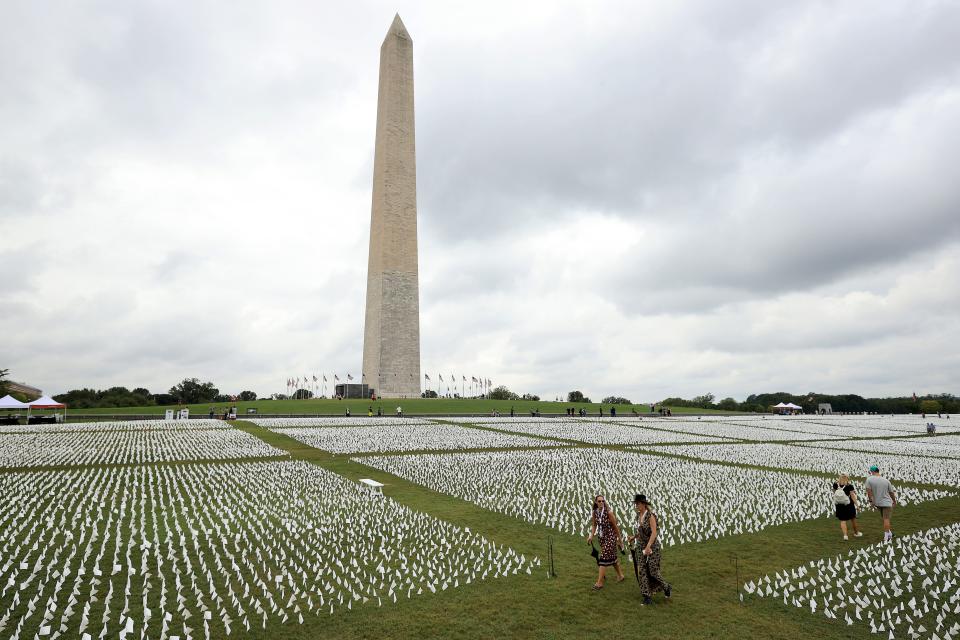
846, 502
648, 551
604, 526
883, 496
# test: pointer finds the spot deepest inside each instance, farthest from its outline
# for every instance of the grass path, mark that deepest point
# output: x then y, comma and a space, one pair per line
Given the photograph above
704, 575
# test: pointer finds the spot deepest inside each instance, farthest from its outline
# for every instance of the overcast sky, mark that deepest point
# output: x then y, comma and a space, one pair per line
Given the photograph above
637, 199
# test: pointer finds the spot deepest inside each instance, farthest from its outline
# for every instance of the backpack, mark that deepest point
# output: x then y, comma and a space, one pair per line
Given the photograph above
840, 497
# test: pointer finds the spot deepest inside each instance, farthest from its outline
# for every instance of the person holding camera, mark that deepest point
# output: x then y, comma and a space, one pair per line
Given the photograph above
605, 527
648, 551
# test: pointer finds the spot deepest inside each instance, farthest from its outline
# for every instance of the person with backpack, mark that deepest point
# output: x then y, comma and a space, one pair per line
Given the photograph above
845, 501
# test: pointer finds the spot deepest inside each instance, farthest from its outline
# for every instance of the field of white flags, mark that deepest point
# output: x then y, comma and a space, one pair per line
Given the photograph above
408, 437
935, 446
695, 500
129, 446
195, 551
100, 536
815, 457
354, 421
593, 432
116, 425
907, 588
771, 430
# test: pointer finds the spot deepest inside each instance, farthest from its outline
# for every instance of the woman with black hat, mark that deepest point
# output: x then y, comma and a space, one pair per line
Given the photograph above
605, 527
648, 551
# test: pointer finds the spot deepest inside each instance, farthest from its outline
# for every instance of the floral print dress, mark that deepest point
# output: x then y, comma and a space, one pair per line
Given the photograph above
608, 538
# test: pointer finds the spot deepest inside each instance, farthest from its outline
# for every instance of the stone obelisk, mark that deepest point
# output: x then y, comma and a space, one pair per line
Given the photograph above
391, 337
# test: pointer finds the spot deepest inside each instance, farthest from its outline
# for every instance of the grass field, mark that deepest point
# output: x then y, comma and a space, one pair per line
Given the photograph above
413, 406
707, 576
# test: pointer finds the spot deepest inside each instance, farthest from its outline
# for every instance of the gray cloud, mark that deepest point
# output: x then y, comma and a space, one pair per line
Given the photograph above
645, 200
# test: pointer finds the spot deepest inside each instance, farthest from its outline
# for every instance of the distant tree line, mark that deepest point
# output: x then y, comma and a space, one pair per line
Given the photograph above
188, 391
844, 403
503, 393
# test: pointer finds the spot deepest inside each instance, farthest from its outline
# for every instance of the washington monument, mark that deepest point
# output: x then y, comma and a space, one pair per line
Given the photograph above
391, 337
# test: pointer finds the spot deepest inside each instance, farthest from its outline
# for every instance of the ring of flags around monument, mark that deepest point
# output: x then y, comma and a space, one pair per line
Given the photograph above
316, 384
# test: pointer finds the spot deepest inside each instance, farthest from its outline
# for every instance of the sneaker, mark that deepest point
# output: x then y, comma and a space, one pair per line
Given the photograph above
858, 534
668, 591
845, 538
647, 600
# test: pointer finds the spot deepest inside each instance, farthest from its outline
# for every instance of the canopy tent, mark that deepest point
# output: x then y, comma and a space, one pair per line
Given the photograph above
9, 402
787, 406
46, 402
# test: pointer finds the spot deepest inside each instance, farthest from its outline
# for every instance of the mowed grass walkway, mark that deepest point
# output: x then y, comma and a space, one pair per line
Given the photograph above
706, 577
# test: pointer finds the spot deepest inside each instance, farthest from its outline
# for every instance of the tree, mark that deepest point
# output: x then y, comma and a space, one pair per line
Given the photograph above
929, 406
704, 402
728, 404
248, 396
192, 391
302, 394
3, 381
615, 400
577, 396
164, 398
502, 393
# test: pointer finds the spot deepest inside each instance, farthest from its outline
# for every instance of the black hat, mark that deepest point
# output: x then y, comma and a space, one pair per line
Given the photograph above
640, 498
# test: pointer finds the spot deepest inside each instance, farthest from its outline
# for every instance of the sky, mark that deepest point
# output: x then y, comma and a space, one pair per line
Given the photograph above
636, 199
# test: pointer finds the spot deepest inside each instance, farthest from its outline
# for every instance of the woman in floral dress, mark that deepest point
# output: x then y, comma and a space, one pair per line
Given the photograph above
605, 527
648, 547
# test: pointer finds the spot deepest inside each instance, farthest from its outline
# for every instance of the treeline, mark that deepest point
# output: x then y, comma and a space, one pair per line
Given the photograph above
844, 403
189, 391
503, 393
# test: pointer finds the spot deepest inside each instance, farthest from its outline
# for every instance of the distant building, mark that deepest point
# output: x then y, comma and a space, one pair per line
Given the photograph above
824, 408
352, 390
32, 393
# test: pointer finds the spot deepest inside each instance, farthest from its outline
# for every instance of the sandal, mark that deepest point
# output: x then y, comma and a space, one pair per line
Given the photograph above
597, 587
621, 579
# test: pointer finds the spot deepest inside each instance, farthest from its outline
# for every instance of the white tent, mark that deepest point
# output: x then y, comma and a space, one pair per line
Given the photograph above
9, 402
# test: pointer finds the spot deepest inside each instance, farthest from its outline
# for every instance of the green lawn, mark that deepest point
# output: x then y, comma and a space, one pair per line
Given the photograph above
417, 406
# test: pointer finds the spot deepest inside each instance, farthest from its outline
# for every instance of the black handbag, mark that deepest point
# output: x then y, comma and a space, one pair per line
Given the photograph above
594, 551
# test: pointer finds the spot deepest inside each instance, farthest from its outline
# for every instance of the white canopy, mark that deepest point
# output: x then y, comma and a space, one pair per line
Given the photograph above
790, 405
9, 402
45, 402
780, 405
